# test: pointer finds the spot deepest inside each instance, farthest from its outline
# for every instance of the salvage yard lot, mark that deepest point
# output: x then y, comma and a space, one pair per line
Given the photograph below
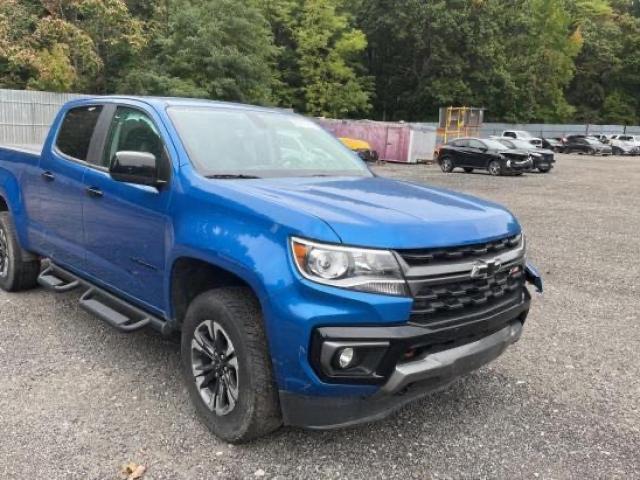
78, 400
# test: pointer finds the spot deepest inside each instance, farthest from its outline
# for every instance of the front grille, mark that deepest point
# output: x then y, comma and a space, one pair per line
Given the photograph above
441, 304
421, 257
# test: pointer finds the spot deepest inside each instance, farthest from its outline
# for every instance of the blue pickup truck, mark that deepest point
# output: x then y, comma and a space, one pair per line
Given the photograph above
306, 290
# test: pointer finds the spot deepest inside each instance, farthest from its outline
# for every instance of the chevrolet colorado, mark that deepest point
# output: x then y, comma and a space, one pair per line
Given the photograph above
306, 290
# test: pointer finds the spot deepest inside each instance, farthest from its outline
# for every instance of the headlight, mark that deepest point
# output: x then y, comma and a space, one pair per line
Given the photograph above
375, 271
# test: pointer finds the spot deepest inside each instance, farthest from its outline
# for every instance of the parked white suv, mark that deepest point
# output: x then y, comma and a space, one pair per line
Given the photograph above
624, 144
522, 135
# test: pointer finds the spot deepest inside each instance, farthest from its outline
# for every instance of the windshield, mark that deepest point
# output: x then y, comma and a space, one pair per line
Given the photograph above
494, 144
523, 144
228, 143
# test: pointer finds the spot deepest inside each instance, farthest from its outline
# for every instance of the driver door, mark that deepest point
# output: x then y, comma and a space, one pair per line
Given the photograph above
126, 226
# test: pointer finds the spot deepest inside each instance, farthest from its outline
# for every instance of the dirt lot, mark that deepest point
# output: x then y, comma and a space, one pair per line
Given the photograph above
77, 400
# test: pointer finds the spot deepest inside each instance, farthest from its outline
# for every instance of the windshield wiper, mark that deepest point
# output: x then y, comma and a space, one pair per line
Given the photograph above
240, 176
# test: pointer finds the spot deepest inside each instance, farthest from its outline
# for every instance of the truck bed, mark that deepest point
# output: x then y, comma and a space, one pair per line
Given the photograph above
34, 148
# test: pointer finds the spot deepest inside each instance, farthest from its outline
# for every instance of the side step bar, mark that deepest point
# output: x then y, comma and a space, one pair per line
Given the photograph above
57, 280
113, 310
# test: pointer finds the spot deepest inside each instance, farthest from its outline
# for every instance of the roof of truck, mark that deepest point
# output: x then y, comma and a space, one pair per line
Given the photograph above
179, 101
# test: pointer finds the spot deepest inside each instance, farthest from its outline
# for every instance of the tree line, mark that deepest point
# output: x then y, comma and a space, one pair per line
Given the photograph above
523, 60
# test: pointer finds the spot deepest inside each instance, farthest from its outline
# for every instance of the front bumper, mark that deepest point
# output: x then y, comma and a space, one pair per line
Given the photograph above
410, 382
542, 162
446, 355
519, 166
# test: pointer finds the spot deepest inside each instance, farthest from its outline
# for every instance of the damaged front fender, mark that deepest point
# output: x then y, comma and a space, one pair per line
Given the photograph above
533, 277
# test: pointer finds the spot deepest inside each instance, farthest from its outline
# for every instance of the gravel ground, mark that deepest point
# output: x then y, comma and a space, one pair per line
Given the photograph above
78, 400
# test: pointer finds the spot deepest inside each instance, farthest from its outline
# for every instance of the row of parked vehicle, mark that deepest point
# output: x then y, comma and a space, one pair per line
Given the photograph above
497, 155
597, 144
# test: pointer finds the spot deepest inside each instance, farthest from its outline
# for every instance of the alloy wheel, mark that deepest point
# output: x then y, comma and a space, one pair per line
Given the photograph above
494, 168
4, 254
215, 367
447, 165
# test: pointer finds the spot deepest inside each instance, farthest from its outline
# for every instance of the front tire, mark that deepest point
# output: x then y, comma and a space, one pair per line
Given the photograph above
446, 164
19, 270
495, 168
227, 366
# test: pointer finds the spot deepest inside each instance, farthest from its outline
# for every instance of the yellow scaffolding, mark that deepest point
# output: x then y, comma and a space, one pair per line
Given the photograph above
456, 122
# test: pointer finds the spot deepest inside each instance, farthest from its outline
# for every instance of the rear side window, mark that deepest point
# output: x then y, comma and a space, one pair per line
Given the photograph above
76, 130
510, 134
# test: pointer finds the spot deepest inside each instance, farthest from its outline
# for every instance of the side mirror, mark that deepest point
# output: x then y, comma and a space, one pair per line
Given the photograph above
135, 167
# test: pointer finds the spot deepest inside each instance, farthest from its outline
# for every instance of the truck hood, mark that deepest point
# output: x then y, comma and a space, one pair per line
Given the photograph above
384, 213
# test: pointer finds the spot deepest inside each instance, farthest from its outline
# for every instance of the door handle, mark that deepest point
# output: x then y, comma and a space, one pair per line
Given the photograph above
94, 192
48, 176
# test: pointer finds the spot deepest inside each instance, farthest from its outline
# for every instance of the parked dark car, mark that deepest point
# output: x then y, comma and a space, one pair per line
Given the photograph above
543, 159
588, 145
483, 154
553, 143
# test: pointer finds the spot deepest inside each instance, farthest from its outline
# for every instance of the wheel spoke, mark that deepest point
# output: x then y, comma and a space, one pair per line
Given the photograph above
229, 394
220, 339
233, 362
208, 379
233, 390
215, 367
204, 343
217, 403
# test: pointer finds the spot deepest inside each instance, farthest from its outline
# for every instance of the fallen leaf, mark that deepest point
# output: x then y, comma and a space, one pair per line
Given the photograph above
133, 471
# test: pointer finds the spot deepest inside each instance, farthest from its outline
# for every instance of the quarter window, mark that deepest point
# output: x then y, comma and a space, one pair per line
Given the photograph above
76, 130
460, 143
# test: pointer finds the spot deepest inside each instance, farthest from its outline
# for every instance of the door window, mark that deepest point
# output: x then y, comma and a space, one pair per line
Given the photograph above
76, 130
475, 144
132, 130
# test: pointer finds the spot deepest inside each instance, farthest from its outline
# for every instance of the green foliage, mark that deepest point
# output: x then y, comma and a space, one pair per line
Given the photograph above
326, 44
66, 45
523, 60
219, 49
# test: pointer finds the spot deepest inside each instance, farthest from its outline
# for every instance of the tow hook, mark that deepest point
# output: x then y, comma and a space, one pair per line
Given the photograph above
533, 277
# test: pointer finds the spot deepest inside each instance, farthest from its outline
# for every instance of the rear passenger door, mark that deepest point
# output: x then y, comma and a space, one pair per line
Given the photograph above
57, 223
125, 225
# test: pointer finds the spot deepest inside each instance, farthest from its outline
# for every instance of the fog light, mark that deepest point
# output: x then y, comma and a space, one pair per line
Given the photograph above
345, 357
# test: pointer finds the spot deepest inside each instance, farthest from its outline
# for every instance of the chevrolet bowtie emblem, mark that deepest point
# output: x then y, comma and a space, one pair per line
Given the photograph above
484, 269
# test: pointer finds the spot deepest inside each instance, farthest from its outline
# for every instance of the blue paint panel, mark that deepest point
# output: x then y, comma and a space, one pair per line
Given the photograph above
242, 226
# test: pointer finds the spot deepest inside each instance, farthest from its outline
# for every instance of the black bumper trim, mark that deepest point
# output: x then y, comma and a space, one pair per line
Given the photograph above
408, 336
323, 413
